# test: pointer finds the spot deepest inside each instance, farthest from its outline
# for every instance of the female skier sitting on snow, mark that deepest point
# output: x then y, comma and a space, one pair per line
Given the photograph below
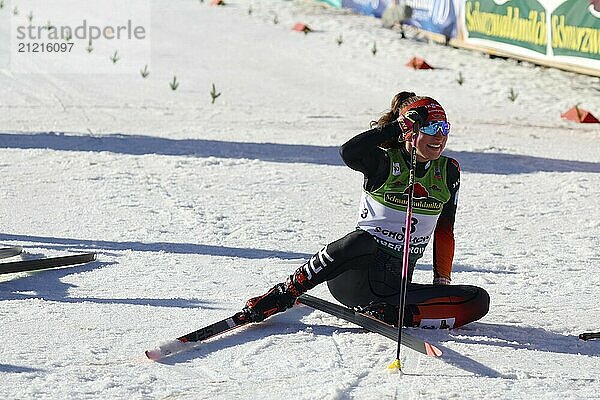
363, 269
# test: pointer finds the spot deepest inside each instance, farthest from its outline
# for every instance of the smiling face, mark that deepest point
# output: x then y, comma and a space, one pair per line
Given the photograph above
429, 147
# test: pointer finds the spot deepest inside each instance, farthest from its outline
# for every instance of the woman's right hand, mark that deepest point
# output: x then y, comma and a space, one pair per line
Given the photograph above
411, 120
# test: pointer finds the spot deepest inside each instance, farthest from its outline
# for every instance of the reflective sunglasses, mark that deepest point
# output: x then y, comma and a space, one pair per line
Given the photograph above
442, 126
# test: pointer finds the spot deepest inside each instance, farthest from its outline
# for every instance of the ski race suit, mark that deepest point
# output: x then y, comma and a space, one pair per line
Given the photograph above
364, 267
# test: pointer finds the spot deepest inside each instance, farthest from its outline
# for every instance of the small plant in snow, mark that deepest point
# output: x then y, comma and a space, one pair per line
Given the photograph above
250, 10
460, 79
513, 94
68, 37
145, 72
15, 11
174, 84
374, 48
89, 47
115, 57
275, 19
29, 16
214, 94
339, 40
1, 4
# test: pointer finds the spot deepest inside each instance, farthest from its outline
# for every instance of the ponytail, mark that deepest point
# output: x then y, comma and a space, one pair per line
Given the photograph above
398, 102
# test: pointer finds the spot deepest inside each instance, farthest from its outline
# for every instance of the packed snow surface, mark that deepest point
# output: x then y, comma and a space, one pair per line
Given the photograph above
194, 207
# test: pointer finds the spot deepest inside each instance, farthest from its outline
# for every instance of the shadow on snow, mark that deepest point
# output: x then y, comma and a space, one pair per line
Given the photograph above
523, 338
290, 323
176, 248
47, 284
16, 369
475, 162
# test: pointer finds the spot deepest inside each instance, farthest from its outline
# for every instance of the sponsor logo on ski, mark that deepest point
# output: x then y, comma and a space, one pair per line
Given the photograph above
442, 323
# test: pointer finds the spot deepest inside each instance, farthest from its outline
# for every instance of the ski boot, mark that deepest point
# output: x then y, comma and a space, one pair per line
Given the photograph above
381, 311
276, 300
281, 296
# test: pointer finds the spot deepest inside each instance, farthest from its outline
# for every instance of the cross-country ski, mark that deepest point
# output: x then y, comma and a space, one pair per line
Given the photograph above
239, 319
12, 251
589, 335
370, 324
186, 342
45, 263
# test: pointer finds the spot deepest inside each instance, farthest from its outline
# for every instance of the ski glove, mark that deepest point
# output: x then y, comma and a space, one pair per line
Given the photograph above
411, 121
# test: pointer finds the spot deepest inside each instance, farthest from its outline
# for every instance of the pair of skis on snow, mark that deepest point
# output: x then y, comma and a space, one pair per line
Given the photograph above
42, 263
239, 319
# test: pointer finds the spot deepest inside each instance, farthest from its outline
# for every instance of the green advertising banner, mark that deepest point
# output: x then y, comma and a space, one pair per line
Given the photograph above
575, 29
518, 22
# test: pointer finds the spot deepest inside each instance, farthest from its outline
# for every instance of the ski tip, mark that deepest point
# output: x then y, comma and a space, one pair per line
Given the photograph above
589, 335
167, 349
154, 355
432, 350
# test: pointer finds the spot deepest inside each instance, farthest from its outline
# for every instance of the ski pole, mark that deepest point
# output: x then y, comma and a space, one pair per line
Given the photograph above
396, 365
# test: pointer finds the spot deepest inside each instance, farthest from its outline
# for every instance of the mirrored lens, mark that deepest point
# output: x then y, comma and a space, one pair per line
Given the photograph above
433, 128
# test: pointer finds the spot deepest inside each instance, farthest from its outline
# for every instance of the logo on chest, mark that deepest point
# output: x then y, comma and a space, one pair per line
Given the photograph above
419, 192
421, 198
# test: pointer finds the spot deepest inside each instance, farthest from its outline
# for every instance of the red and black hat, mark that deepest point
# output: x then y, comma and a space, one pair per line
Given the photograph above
434, 109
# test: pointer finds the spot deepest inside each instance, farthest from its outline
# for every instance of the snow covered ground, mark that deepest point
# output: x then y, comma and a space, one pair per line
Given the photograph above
194, 207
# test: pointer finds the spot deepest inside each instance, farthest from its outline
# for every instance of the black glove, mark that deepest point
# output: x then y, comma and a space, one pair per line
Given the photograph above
412, 120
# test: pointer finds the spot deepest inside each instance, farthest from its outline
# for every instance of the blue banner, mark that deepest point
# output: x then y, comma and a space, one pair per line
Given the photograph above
367, 7
437, 16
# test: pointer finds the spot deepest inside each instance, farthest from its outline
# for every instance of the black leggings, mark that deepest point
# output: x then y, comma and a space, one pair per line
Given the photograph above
359, 273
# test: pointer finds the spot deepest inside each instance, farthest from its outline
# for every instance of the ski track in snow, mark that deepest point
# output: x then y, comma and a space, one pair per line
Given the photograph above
194, 207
